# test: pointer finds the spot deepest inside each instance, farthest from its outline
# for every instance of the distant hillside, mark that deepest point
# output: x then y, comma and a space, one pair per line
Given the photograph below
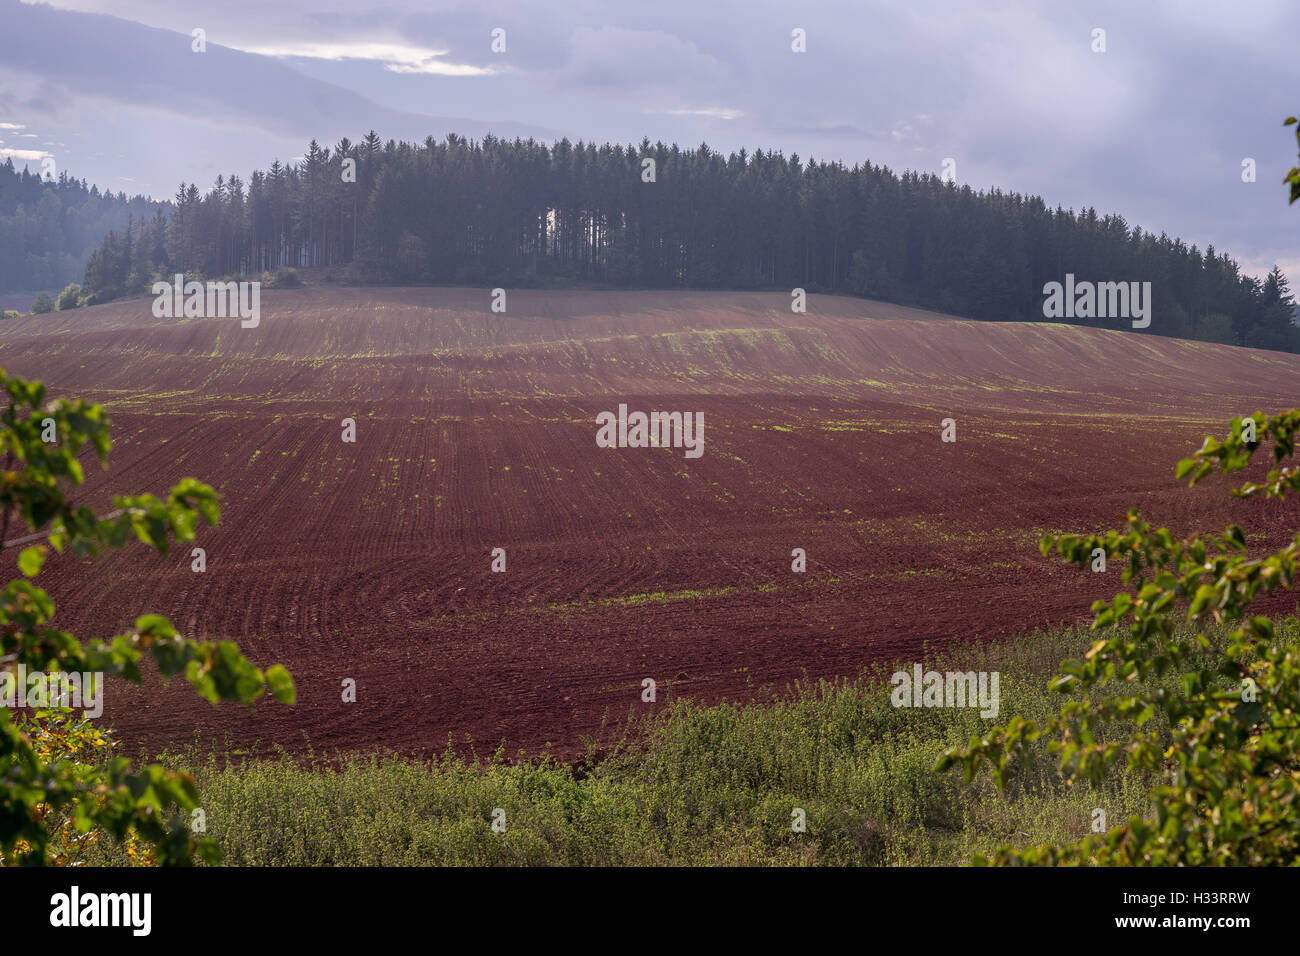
523, 213
48, 228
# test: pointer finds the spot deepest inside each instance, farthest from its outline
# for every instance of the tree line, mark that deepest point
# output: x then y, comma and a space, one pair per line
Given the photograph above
524, 213
49, 226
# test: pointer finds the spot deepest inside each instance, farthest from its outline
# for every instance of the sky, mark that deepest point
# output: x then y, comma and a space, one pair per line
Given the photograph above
1156, 127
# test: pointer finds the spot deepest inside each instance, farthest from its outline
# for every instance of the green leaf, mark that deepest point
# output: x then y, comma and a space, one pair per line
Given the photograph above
281, 684
31, 560
1204, 595
154, 625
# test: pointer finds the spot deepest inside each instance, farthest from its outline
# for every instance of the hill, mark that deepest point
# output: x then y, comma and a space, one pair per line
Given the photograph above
50, 225
476, 431
524, 214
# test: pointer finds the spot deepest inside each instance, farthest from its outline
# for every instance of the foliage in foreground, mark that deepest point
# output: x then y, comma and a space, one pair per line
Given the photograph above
692, 785
1228, 772
1293, 177
53, 794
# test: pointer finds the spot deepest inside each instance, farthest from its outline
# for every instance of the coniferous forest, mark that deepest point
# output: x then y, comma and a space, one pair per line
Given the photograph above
50, 226
522, 213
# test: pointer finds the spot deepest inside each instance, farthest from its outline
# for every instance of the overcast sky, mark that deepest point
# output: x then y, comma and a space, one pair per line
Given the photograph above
1155, 128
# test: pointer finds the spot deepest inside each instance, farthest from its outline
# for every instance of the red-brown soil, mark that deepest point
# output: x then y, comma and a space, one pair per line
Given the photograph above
477, 430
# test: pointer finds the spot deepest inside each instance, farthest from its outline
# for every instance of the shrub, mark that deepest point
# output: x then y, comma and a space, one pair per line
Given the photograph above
69, 298
42, 304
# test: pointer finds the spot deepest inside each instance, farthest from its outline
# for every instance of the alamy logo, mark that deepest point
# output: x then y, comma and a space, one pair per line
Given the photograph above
653, 430
39, 690
1098, 300
952, 689
218, 300
73, 909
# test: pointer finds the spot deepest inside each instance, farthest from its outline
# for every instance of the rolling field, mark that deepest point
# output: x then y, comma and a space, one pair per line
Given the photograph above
475, 431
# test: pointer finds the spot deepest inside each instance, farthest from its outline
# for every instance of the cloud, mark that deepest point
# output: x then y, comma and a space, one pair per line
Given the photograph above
25, 153
438, 67
119, 62
619, 60
396, 56
711, 112
906, 132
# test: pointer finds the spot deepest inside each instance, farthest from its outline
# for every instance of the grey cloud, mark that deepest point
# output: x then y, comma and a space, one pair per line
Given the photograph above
91, 55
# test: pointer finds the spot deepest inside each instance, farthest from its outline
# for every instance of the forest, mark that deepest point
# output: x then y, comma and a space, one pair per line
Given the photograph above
50, 226
524, 213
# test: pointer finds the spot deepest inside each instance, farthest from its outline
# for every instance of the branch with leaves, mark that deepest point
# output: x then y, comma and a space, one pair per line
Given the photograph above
1293, 177
1229, 738
40, 784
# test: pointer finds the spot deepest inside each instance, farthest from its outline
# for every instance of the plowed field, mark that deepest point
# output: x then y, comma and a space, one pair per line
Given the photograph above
476, 431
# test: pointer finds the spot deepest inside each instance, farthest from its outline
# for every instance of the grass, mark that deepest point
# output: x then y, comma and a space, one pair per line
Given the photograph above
693, 784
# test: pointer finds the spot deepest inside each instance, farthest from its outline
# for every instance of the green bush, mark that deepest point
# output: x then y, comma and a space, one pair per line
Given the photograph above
42, 304
69, 298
